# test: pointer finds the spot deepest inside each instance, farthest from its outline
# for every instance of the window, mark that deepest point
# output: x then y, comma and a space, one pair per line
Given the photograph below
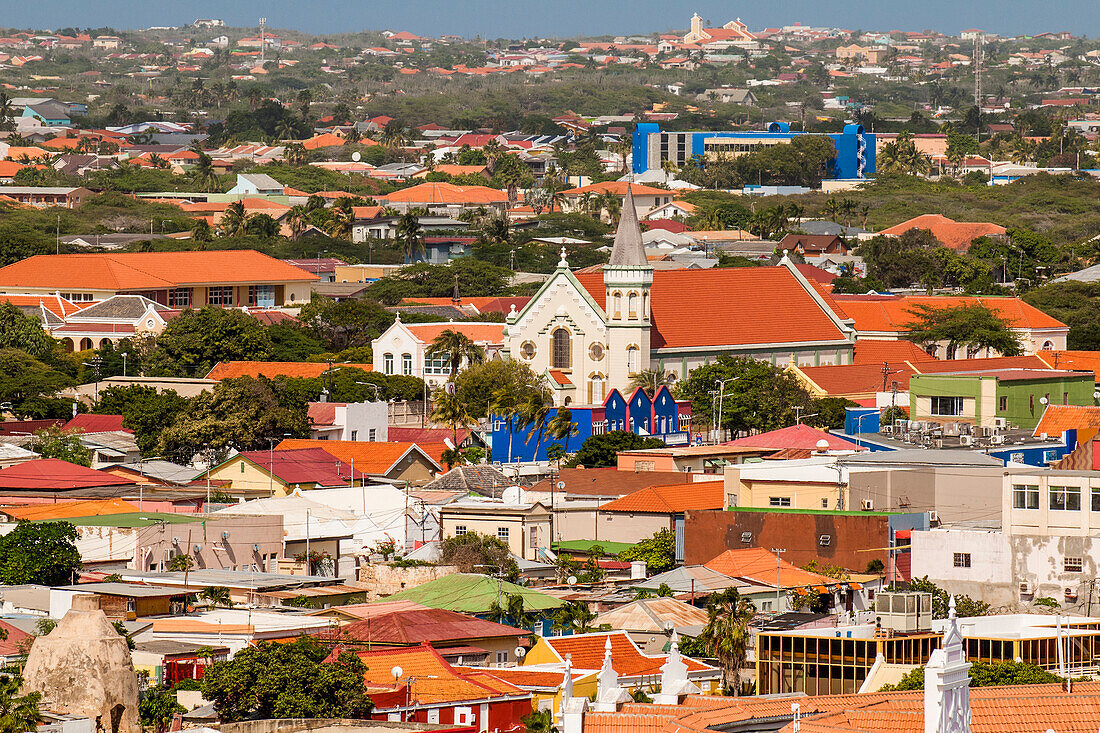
1027, 497
746, 537
595, 390
1072, 564
355, 435
1065, 398
534, 537
595, 351
438, 364
220, 295
527, 350
179, 297
387, 363
407, 364
1002, 403
261, 295
951, 406
825, 540
632, 305
824, 503
617, 298
502, 534
1096, 499
502, 657
731, 499
779, 501
460, 529
372, 434
632, 360
1065, 498
561, 354
962, 559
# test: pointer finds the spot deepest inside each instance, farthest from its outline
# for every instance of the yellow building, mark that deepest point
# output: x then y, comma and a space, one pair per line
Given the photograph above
280, 472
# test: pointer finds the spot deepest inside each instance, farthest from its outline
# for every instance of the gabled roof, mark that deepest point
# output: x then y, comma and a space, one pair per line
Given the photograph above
610, 481
483, 479
619, 188
1057, 419
891, 313
272, 369
492, 333
148, 270
762, 305
447, 193
586, 651
376, 459
652, 615
303, 466
431, 625
1076, 360
89, 423
956, 235
868, 351
673, 499
469, 593
761, 566
67, 509
795, 436
48, 474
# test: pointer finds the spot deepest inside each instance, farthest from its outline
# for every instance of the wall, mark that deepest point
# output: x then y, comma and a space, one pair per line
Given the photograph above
413, 468
978, 397
1044, 520
1023, 397
956, 493
156, 544
629, 526
856, 537
493, 519
385, 580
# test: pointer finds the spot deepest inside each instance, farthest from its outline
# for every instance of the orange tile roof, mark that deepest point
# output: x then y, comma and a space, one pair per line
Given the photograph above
271, 369
324, 140
436, 680
447, 193
673, 499
8, 168
586, 651
129, 271
891, 313
53, 303
621, 722
14, 153
70, 509
1076, 360
618, 188
762, 566
193, 626
947, 366
492, 333
369, 457
771, 307
873, 351
1058, 418
855, 379
956, 235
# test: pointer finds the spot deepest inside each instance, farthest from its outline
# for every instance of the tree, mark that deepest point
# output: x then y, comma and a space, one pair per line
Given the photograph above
562, 427
297, 220
217, 595
410, 235
262, 226
145, 410
601, 451
456, 347
194, 341
18, 713
900, 262
651, 380
450, 410
982, 674
292, 680
658, 552
476, 384
347, 323
156, 708
234, 220
41, 553
204, 174
240, 414
53, 442
181, 563
965, 606
538, 721
575, 616
20, 331
973, 326
477, 553
30, 386
726, 634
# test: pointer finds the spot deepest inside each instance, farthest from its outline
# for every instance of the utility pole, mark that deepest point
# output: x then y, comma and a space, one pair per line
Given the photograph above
978, 38
778, 552
263, 22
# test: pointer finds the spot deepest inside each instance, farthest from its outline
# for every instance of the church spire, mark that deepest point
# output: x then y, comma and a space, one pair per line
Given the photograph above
628, 250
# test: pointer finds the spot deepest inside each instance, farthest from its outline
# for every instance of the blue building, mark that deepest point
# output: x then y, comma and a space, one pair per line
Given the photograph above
855, 148
662, 417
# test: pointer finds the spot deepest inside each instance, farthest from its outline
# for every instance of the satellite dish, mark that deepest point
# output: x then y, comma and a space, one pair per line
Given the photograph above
397, 672
572, 580
520, 652
356, 156
1043, 400
823, 445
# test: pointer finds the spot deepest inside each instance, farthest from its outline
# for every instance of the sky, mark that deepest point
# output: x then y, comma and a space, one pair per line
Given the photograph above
526, 18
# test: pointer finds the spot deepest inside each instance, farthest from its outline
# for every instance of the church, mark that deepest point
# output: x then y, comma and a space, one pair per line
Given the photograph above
590, 331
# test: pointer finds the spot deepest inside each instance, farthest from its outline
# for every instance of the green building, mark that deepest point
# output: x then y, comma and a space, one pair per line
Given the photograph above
997, 398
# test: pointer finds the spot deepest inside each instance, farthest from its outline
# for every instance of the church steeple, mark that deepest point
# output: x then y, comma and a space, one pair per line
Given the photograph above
628, 249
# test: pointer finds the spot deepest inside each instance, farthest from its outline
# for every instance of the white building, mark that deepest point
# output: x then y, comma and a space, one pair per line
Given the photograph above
349, 421
403, 348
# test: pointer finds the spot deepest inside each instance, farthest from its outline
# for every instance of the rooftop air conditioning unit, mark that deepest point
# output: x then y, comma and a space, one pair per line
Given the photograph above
1071, 594
933, 517
966, 440
1000, 423
867, 505
997, 440
1026, 588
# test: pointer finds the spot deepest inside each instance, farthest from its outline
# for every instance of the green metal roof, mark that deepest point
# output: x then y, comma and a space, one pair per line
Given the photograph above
611, 548
131, 520
470, 593
833, 512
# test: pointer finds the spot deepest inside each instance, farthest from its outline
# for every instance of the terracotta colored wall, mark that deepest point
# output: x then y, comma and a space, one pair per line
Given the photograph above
712, 532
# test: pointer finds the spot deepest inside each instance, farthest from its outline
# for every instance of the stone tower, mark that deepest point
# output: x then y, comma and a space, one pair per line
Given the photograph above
83, 667
628, 280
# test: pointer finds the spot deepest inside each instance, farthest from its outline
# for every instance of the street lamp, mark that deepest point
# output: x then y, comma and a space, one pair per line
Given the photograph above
721, 395
124, 355
373, 386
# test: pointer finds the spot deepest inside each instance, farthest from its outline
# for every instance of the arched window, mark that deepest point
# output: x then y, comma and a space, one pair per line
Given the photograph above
387, 363
632, 305
1048, 346
632, 360
951, 351
407, 364
595, 389
645, 305
561, 351
617, 299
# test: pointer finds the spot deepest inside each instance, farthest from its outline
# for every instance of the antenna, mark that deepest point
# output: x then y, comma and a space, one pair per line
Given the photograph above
263, 22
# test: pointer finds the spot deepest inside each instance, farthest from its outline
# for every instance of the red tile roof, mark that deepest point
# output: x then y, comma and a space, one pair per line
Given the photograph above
422, 436
795, 436
618, 188
771, 307
947, 366
432, 625
610, 481
370, 458
954, 234
492, 333
674, 499
51, 474
129, 271
303, 466
69, 509
90, 423
815, 273
762, 566
272, 369
856, 379
892, 313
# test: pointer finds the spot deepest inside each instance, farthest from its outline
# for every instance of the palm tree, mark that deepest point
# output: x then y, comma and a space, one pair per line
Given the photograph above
233, 220
286, 129
393, 135
455, 346
496, 230
411, 236
296, 219
622, 148
539, 721
6, 110
651, 380
493, 152
18, 713
562, 427
534, 413
612, 204
726, 635
204, 173
340, 221
217, 595
450, 409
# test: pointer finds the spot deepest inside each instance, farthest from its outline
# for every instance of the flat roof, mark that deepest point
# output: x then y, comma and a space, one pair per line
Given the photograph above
134, 590
825, 512
132, 521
